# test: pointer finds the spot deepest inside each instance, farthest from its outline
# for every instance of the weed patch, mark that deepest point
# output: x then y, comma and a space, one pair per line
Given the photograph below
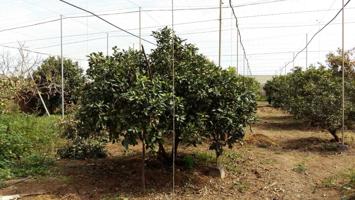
300, 168
27, 145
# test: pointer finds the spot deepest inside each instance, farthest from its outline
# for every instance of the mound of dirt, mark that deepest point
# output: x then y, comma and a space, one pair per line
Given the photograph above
260, 140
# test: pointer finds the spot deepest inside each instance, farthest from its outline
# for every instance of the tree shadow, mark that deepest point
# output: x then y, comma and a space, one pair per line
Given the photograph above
96, 179
313, 144
285, 126
277, 117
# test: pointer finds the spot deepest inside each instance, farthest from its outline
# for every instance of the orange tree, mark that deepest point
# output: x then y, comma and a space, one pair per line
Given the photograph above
47, 79
129, 97
314, 95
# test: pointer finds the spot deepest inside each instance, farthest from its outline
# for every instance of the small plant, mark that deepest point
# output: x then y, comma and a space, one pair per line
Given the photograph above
231, 162
332, 147
350, 180
205, 157
342, 181
241, 186
32, 165
329, 182
188, 162
300, 168
82, 148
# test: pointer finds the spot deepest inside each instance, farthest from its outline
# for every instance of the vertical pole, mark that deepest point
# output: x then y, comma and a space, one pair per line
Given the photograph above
173, 76
293, 62
231, 43
220, 34
107, 45
243, 65
343, 74
61, 61
306, 51
319, 40
237, 50
140, 28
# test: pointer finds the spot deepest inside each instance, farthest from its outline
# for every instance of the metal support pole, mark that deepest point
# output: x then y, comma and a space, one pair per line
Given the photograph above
343, 74
220, 34
319, 40
243, 65
231, 43
61, 61
140, 28
306, 51
237, 51
293, 62
173, 90
107, 45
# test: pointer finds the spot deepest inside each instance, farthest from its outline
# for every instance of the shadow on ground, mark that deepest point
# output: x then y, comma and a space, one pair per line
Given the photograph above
111, 177
284, 126
313, 144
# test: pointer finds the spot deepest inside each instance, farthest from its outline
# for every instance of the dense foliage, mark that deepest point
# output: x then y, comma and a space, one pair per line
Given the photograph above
9, 89
47, 80
27, 144
83, 148
130, 98
314, 95
250, 82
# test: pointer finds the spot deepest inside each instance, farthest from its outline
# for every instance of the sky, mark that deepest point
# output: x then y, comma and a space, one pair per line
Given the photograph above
272, 30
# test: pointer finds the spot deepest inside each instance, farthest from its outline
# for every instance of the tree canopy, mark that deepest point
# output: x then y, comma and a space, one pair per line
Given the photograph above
47, 80
130, 98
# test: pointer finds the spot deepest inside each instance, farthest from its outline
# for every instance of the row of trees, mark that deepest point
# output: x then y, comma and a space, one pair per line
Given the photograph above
315, 94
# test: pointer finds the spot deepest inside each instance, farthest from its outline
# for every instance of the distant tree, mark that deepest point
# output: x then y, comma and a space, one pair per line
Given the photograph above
47, 80
335, 61
313, 95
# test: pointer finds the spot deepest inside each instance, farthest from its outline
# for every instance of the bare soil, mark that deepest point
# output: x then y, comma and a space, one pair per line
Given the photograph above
280, 158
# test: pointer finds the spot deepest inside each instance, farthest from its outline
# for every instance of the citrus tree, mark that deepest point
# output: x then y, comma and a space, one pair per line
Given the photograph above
47, 80
129, 97
314, 95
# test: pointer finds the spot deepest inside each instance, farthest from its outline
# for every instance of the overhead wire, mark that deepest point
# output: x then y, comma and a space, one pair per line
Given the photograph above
315, 34
37, 52
49, 10
240, 36
128, 12
108, 22
214, 7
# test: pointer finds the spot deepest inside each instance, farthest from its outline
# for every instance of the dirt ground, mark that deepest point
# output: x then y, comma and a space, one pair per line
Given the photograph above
281, 158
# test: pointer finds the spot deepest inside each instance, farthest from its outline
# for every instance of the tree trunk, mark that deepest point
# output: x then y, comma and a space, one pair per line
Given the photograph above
162, 155
177, 142
334, 134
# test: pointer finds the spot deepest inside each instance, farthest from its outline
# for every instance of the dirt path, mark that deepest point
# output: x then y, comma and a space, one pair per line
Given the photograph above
281, 159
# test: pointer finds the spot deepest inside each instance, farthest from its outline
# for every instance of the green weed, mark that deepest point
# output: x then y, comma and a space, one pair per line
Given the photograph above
241, 186
27, 144
300, 168
188, 162
205, 157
